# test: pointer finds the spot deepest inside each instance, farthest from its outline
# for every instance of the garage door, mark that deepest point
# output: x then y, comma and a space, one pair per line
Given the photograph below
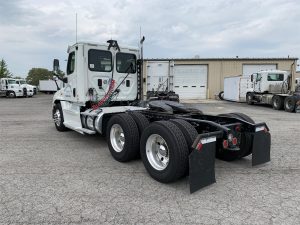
157, 75
254, 68
190, 81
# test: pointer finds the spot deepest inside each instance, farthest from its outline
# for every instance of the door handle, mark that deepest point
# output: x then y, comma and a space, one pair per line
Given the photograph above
74, 92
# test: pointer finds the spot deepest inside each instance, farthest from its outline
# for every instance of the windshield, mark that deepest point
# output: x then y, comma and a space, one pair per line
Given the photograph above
22, 82
12, 82
126, 63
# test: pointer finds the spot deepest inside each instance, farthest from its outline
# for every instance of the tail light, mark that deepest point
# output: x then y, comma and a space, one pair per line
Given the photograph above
225, 144
234, 141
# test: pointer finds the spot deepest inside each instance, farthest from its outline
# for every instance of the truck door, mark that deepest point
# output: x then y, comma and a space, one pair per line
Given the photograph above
257, 82
70, 90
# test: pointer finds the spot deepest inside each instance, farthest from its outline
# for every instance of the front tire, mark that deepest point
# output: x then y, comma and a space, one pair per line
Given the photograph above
58, 117
11, 94
164, 151
249, 99
122, 137
277, 102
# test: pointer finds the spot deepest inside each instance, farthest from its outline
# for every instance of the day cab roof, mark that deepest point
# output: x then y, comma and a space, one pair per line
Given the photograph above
272, 71
103, 46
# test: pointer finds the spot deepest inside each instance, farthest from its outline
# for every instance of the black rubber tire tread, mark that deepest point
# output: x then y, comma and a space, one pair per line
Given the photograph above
245, 146
280, 103
131, 133
61, 127
189, 132
221, 95
249, 97
178, 151
286, 104
141, 121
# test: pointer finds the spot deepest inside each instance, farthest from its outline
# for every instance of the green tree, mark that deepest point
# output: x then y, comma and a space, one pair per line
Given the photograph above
4, 72
36, 74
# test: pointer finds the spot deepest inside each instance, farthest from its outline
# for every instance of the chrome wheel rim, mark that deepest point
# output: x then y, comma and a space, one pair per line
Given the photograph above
57, 117
11, 95
117, 137
157, 152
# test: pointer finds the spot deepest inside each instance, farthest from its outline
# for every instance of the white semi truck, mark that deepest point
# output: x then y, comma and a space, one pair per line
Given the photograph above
10, 88
28, 90
103, 94
273, 87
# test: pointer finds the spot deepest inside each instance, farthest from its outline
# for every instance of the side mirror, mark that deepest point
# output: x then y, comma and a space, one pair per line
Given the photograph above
55, 65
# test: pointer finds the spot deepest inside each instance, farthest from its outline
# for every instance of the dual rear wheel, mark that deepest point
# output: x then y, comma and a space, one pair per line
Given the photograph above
163, 146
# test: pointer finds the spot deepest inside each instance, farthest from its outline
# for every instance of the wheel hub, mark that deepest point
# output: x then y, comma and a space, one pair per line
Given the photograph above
117, 137
157, 152
57, 117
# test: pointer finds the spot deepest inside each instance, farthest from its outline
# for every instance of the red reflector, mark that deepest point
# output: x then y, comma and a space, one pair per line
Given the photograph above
234, 141
199, 146
225, 144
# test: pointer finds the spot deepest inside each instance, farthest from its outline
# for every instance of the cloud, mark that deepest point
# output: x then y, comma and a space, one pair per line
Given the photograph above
34, 32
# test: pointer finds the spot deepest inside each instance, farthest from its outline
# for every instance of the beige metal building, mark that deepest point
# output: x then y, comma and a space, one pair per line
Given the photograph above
202, 78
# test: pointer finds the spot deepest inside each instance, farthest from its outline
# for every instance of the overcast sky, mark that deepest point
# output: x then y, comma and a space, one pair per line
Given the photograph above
33, 32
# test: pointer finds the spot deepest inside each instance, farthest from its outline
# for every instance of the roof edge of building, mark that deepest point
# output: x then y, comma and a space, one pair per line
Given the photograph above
216, 59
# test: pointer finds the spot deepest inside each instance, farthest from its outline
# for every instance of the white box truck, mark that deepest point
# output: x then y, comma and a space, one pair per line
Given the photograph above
236, 88
49, 86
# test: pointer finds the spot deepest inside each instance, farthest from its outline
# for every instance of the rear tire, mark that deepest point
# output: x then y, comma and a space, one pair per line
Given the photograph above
122, 137
164, 151
289, 104
277, 102
141, 121
58, 117
245, 144
189, 132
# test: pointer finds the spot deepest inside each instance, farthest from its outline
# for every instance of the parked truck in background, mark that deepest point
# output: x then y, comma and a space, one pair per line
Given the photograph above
273, 87
28, 90
103, 94
50, 86
10, 88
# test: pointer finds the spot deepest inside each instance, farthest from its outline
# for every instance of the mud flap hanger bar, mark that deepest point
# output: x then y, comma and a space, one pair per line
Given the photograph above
202, 161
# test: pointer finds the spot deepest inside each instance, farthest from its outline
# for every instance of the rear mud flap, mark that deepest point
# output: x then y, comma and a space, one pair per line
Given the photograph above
261, 148
202, 166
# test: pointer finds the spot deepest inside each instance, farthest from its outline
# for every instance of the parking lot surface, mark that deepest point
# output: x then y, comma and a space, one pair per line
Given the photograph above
49, 177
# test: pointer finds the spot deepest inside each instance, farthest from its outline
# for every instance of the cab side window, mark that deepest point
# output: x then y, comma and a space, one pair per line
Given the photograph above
71, 63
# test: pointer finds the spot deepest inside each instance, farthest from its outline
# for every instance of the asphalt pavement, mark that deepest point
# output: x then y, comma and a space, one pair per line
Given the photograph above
51, 177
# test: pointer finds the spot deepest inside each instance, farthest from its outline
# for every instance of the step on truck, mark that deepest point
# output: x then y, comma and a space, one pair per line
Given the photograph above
103, 94
273, 87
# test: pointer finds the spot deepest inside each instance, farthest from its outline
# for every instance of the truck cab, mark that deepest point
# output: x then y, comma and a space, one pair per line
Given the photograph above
28, 90
10, 88
91, 69
270, 81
